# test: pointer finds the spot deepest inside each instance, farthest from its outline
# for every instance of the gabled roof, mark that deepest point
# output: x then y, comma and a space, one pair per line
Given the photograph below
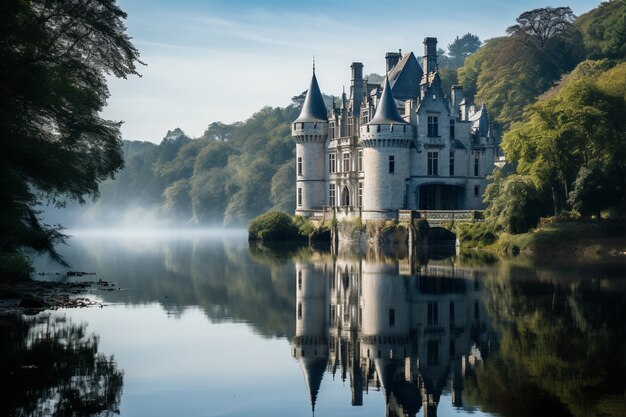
405, 78
313, 109
386, 111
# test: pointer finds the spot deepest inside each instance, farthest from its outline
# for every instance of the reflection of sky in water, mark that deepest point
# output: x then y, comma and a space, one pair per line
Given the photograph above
189, 366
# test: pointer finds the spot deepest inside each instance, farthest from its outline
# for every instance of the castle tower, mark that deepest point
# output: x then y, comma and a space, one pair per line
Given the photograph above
310, 131
310, 344
386, 140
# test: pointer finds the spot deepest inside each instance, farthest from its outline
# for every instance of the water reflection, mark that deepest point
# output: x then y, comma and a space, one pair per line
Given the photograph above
51, 366
422, 333
410, 330
507, 338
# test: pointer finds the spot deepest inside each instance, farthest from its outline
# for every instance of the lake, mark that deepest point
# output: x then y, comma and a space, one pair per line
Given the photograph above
202, 324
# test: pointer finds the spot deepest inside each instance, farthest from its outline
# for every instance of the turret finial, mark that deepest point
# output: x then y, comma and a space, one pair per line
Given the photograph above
313, 63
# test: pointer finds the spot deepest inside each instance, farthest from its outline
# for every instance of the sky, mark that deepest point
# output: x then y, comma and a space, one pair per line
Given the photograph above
221, 60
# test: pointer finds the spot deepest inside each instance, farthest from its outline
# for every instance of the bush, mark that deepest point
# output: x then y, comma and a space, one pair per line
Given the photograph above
475, 234
14, 266
274, 226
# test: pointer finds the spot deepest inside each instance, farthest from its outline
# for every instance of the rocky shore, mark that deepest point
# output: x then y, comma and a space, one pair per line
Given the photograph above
31, 297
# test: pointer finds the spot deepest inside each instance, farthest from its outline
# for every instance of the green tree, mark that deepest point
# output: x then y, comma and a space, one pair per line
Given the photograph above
604, 30
581, 125
461, 48
54, 56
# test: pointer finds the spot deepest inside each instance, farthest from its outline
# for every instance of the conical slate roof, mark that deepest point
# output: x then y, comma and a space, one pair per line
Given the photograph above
313, 370
313, 109
386, 111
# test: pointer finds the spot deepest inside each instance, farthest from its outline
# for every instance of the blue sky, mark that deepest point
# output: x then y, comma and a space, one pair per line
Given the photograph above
223, 60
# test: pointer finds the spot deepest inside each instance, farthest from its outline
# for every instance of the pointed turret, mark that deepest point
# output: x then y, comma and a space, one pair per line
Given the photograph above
313, 109
313, 370
386, 111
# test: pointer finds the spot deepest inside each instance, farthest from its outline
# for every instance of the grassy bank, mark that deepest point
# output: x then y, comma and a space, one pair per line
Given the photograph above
574, 240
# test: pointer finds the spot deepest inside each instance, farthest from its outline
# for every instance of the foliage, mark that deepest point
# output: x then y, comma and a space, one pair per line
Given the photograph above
596, 189
603, 30
13, 266
515, 204
54, 56
508, 73
583, 125
477, 234
461, 48
273, 226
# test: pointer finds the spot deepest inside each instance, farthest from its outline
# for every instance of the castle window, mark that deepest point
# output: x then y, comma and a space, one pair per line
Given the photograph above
433, 163
346, 162
300, 315
378, 128
476, 165
299, 280
331, 194
451, 163
331, 163
299, 165
360, 160
452, 133
392, 164
433, 126
299, 197
392, 317
433, 313
476, 311
360, 194
476, 191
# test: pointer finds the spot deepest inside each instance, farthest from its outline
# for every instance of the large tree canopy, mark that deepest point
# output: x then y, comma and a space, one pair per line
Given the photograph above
54, 55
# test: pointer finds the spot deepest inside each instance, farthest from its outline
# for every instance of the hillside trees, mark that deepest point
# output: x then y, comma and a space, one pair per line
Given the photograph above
54, 56
579, 131
508, 73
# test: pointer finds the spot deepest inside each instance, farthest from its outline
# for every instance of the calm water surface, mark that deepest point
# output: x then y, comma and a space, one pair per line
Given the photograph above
203, 325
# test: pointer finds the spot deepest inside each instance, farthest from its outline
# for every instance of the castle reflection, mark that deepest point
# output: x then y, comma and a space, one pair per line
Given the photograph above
407, 327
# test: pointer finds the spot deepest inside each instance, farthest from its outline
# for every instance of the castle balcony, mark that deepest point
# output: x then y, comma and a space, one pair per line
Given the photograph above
346, 141
431, 141
345, 175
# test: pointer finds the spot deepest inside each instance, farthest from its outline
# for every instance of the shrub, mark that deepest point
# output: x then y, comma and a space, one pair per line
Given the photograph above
14, 266
475, 234
273, 226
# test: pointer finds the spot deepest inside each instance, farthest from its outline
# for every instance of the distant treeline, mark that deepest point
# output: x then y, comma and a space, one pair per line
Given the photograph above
234, 172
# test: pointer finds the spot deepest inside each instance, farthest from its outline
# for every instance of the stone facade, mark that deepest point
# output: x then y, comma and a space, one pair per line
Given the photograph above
402, 144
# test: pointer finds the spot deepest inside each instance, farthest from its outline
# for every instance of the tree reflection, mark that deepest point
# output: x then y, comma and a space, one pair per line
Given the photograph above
49, 366
562, 346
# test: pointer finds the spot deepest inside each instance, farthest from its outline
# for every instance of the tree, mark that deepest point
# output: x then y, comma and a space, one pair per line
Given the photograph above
54, 55
541, 25
581, 125
461, 48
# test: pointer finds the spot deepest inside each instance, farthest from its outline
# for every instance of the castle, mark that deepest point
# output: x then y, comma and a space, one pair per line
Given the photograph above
411, 332
402, 145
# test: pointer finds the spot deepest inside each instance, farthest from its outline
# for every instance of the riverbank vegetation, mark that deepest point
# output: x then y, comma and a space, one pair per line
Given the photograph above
278, 226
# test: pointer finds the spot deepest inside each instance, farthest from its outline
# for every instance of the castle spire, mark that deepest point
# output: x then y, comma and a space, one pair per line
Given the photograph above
313, 109
386, 111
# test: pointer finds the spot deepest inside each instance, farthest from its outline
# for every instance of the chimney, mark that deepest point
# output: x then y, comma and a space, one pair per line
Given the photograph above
430, 55
456, 95
392, 59
356, 88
